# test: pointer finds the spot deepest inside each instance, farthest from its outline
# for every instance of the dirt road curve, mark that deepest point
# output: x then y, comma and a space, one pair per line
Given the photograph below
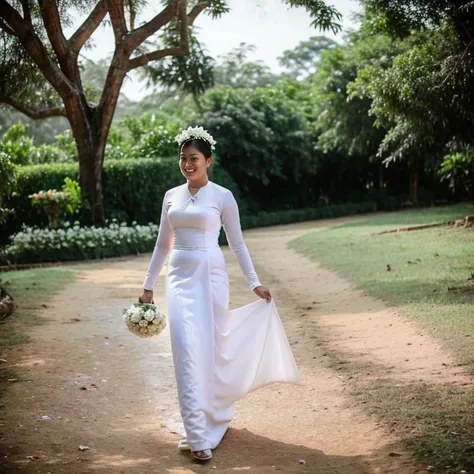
108, 390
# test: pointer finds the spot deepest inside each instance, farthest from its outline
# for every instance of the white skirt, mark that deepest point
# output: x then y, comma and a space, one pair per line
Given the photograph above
219, 355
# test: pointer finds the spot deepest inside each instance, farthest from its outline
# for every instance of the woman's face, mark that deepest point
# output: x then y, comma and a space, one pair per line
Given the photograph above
193, 164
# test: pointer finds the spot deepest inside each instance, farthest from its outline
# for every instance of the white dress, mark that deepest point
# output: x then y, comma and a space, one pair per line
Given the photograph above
219, 355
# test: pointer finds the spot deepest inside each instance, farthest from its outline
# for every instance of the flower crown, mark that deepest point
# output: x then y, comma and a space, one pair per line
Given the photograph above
196, 133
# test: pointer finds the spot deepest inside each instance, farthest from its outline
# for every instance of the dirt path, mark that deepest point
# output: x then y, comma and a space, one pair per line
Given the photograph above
115, 393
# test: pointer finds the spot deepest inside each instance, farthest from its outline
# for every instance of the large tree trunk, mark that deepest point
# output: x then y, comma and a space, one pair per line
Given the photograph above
91, 146
414, 178
90, 178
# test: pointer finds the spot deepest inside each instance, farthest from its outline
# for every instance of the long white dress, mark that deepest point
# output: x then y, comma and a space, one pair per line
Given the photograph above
219, 355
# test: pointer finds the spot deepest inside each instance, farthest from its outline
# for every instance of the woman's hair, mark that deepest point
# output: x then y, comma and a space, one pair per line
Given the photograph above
201, 145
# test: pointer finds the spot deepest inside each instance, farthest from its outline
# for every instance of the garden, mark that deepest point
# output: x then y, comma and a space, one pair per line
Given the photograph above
375, 125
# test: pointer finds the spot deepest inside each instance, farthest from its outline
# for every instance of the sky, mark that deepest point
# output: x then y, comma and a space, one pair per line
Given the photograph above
269, 25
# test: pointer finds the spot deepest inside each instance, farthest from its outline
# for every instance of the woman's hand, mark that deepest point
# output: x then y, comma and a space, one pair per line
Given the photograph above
263, 293
147, 297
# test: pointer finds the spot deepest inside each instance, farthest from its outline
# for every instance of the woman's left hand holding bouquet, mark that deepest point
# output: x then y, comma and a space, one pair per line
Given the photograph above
147, 297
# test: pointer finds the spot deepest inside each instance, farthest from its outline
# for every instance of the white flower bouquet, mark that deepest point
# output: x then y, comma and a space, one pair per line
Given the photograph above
144, 319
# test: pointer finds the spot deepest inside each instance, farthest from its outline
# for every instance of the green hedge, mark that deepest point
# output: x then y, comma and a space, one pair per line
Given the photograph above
79, 243
266, 219
133, 190
33, 245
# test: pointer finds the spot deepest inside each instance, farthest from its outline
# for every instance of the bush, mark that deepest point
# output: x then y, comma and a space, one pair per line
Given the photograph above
86, 243
79, 243
29, 178
133, 189
266, 219
7, 184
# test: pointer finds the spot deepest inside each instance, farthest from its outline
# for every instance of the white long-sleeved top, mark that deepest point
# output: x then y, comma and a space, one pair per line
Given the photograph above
194, 222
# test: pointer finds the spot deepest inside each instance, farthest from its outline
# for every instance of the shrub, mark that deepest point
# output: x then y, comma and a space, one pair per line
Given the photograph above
7, 184
133, 189
56, 203
79, 243
86, 243
29, 178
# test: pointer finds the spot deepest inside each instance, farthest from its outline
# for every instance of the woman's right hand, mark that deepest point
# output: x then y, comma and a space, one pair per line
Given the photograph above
147, 297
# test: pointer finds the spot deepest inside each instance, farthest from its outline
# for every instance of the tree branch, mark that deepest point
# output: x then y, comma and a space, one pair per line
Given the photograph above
117, 17
136, 37
34, 47
182, 50
34, 114
194, 13
52, 23
6, 27
91, 23
26, 10
144, 59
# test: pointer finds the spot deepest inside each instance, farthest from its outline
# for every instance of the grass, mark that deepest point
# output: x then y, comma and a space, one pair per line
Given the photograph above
14, 339
436, 422
32, 289
428, 282
429, 273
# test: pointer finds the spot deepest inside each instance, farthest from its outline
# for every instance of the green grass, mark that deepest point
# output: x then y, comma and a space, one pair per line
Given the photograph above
435, 422
430, 269
32, 289
428, 282
14, 339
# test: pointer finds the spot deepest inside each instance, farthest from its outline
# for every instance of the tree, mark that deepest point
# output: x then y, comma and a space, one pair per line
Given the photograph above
36, 49
234, 69
264, 141
422, 99
302, 61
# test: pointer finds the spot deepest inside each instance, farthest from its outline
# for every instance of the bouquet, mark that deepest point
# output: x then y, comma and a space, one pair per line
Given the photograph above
144, 319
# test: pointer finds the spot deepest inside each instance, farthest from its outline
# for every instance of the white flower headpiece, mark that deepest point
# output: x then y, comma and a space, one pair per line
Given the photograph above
194, 133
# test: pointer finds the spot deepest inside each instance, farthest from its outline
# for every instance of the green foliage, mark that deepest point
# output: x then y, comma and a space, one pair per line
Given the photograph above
86, 243
17, 144
412, 99
458, 168
325, 17
8, 176
151, 137
57, 203
344, 123
234, 69
73, 193
79, 243
65, 142
191, 73
303, 60
262, 135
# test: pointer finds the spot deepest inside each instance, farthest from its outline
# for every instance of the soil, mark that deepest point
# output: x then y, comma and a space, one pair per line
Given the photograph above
114, 393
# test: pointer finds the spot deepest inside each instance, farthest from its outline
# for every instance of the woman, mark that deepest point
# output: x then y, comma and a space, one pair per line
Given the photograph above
219, 355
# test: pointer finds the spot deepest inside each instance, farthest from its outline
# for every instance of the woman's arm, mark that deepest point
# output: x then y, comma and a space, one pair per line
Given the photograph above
233, 231
163, 246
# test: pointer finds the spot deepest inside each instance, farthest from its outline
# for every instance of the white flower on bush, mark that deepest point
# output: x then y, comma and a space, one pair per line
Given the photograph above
33, 244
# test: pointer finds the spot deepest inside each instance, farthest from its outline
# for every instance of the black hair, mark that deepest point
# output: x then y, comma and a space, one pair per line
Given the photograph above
201, 145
